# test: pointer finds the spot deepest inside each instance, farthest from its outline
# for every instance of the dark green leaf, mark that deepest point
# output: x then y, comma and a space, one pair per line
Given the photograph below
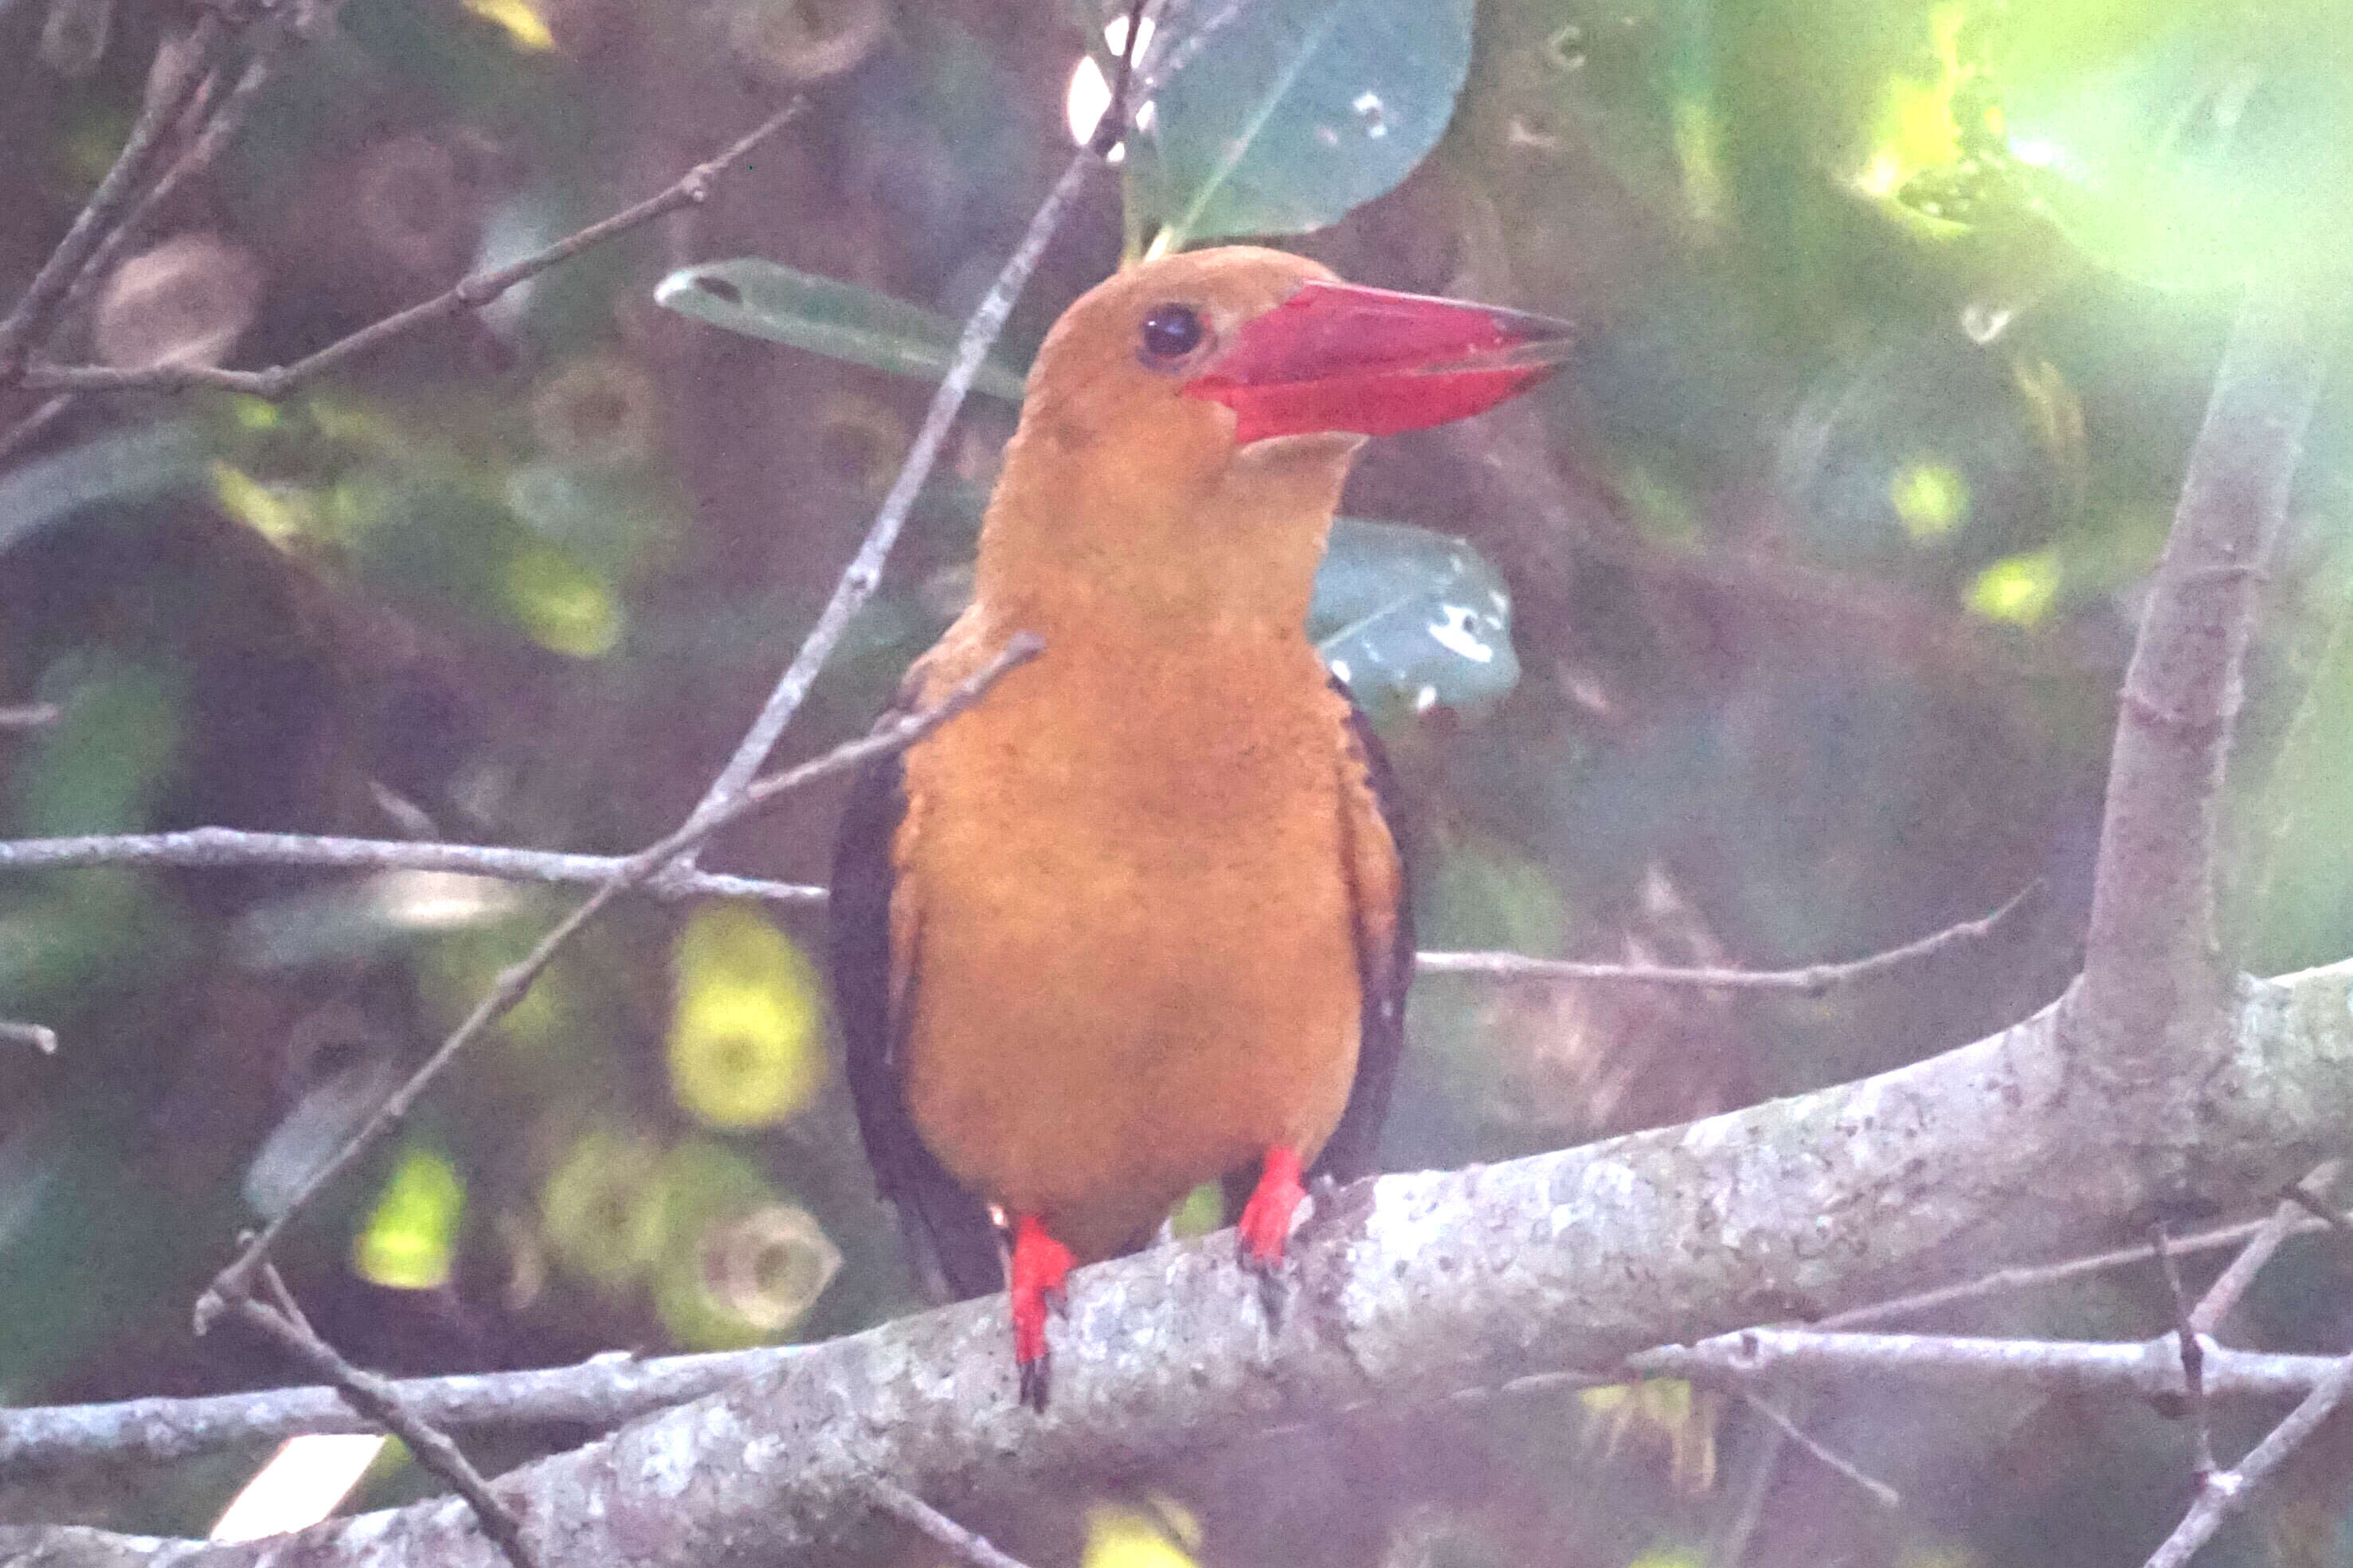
763, 299
1294, 111
1410, 619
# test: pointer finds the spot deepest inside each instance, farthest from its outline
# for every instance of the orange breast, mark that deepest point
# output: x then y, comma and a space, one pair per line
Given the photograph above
1123, 916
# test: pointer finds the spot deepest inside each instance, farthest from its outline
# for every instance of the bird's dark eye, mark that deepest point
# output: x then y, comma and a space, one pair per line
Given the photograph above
1172, 332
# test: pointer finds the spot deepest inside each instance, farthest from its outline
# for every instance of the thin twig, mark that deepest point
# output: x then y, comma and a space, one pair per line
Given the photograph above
515, 981
2148, 1370
2326, 1213
602, 1392
28, 429
1814, 980
2225, 1491
377, 1399
470, 293
40, 1037
222, 121
1882, 1494
2009, 1281
1112, 128
1733, 1544
234, 846
2193, 1357
29, 715
865, 571
167, 98
974, 1551
2265, 1237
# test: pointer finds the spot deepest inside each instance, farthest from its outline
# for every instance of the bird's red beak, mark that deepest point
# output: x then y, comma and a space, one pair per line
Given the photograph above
1335, 357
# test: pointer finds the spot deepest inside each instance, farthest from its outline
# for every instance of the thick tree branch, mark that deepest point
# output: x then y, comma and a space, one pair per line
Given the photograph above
607, 1390
1422, 1287
2154, 981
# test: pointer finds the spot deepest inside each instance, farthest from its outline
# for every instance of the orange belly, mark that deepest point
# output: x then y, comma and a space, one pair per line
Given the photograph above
1130, 936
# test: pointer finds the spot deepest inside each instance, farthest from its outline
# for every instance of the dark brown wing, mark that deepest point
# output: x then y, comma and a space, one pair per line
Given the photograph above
1385, 956
951, 1242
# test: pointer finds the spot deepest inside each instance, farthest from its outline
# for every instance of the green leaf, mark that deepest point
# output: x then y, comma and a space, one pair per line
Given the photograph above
122, 468
1294, 111
1410, 619
763, 299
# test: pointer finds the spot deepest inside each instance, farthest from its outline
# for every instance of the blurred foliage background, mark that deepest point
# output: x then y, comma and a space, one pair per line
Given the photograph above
1822, 567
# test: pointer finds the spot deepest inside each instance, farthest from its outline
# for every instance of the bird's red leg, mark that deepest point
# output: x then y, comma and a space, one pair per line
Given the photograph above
1041, 1264
1266, 1218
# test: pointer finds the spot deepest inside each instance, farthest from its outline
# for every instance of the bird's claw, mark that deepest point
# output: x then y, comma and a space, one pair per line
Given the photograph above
1265, 1225
1040, 1265
1264, 1229
1037, 1380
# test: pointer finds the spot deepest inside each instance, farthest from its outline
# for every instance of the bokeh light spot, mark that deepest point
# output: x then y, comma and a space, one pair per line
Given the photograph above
410, 1238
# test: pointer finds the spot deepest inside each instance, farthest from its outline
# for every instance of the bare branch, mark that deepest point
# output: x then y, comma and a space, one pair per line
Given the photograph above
222, 121
376, 1399
609, 1390
29, 429
40, 1037
1429, 1285
2326, 1213
974, 1551
2193, 1358
180, 69
865, 571
2225, 1491
468, 294
2011, 1281
1814, 980
2153, 982
29, 715
2287, 1219
602, 1392
234, 846
1755, 1357
515, 981
1882, 1494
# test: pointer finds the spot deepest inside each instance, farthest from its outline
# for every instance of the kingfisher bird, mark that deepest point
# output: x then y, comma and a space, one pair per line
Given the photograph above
1138, 920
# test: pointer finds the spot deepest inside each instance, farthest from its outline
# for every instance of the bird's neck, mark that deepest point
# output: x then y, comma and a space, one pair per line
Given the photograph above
1110, 552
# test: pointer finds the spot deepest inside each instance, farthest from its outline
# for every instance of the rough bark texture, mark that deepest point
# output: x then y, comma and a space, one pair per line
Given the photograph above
1419, 1286
2154, 981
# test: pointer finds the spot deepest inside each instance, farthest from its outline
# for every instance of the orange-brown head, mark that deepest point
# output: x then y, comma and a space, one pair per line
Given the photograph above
1190, 423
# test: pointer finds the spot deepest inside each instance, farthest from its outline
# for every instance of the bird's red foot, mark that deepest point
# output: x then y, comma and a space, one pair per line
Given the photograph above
1040, 1265
1265, 1224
